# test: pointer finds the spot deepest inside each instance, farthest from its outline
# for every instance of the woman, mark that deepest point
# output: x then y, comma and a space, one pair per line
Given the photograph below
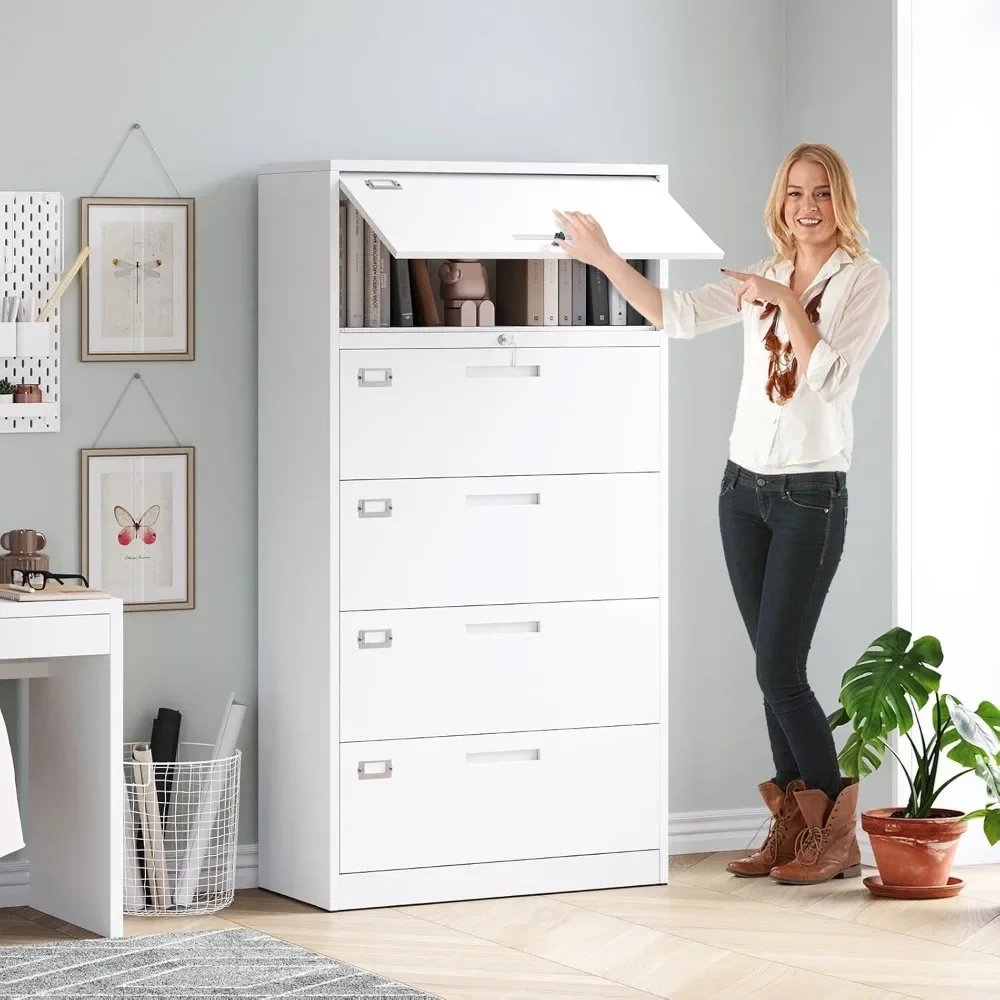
812, 315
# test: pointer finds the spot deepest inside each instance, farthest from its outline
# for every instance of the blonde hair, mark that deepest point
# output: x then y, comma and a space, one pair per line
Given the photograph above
850, 232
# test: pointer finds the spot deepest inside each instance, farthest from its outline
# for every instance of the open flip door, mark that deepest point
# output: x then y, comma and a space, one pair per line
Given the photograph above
483, 216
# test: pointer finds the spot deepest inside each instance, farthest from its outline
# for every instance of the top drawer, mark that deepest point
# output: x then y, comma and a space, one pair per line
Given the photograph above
416, 413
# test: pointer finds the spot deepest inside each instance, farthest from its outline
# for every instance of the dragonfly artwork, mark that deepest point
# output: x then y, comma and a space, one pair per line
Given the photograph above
133, 529
136, 270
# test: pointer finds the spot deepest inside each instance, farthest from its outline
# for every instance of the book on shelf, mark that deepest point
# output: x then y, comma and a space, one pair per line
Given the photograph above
632, 315
352, 292
343, 263
377, 290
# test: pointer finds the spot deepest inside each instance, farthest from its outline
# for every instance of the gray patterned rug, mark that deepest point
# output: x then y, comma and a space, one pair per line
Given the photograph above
222, 964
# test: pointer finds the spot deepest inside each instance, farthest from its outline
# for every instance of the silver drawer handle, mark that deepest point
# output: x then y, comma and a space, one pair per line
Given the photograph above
371, 770
502, 628
374, 378
503, 756
503, 499
503, 371
381, 507
375, 638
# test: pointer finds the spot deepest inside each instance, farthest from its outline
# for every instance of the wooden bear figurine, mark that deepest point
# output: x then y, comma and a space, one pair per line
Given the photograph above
465, 293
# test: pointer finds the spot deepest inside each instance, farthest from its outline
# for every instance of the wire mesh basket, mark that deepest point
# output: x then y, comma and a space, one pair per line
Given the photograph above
181, 826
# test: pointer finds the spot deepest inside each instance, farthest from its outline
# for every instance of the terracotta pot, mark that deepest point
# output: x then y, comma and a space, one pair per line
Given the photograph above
913, 852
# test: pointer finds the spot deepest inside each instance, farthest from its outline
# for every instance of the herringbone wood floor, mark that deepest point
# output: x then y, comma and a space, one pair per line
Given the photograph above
706, 936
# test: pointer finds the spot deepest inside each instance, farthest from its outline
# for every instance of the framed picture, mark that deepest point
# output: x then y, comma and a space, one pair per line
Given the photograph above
137, 527
138, 281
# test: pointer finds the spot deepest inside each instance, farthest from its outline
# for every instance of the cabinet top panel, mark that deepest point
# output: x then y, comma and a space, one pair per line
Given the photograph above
466, 167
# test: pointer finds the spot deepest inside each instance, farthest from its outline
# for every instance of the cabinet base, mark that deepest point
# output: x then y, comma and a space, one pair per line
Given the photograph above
411, 887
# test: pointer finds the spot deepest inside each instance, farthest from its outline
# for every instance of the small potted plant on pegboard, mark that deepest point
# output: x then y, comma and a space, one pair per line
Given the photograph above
6, 391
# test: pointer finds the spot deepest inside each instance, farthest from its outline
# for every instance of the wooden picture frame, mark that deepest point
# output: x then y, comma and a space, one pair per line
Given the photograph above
133, 500
137, 300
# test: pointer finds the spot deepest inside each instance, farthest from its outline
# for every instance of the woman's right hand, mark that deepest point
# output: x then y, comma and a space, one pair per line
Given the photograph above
585, 238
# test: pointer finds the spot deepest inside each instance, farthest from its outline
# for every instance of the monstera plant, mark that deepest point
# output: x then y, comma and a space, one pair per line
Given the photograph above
884, 693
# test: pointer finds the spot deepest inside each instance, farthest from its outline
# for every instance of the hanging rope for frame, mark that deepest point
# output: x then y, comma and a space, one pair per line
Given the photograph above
135, 127
133, 378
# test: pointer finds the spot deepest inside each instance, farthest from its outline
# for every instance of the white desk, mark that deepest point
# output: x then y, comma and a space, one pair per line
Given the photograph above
72, 653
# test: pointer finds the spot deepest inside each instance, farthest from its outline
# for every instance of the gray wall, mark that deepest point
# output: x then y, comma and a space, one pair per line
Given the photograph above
853, 112
718, 743
226, 86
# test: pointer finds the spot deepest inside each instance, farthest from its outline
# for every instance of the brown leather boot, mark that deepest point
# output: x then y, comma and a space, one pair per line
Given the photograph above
828, 845
779, 844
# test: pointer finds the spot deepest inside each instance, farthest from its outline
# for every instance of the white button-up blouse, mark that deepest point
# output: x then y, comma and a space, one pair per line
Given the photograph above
813, 431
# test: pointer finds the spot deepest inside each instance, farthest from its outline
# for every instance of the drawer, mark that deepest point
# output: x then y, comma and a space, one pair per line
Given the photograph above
451, 671
445, 542
473, 799
54, 636
470, 413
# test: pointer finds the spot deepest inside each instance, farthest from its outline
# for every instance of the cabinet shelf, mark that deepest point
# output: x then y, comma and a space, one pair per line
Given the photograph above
380, 338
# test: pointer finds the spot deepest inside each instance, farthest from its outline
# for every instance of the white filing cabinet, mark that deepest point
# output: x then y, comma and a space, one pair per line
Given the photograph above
462, 552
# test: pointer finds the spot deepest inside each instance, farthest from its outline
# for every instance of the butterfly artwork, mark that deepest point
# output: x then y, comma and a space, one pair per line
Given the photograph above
134, 269
133, 529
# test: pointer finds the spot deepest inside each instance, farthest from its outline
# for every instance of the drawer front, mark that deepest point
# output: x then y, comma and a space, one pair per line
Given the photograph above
452, 671
471, 413
445, 542
466, 800
58, 635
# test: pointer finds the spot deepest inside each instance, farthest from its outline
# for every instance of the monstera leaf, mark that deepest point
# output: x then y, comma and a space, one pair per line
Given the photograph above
876, 691
838, 718
860, 757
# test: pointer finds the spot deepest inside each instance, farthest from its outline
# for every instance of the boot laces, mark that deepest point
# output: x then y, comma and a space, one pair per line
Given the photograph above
810, 844
769, 849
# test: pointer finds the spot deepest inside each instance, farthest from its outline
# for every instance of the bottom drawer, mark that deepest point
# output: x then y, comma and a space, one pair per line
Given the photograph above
471, 799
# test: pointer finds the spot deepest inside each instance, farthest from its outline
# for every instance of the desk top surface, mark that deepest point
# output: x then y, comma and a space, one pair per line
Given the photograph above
63, 608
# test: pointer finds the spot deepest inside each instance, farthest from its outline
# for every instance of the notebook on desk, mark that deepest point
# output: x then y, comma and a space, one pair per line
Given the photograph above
53, 592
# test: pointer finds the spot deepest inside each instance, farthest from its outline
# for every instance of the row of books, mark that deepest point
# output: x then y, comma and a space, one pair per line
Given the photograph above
379, 290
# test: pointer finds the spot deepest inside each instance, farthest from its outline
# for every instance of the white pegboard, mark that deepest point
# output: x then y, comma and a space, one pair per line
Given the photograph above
31, 224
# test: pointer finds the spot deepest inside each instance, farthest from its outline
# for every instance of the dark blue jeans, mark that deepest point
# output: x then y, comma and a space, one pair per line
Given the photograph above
782, 537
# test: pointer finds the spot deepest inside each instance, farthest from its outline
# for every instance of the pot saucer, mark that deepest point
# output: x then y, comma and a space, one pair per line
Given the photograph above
876, 887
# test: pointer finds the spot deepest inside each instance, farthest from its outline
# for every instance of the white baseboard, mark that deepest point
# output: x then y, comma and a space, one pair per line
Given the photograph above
690, 833
716, 830
730, 830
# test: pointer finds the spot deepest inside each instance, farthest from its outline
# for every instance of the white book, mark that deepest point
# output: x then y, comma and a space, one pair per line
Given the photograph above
355, 283
550, 292
536, 292
617, 304
342, 292
579, 293
566, 292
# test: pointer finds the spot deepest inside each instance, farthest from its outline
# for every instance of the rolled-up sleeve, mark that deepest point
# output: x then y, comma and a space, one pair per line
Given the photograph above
711, 307
842, 352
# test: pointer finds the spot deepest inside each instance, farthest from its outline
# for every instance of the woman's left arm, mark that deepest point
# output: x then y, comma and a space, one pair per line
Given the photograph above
833, 363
